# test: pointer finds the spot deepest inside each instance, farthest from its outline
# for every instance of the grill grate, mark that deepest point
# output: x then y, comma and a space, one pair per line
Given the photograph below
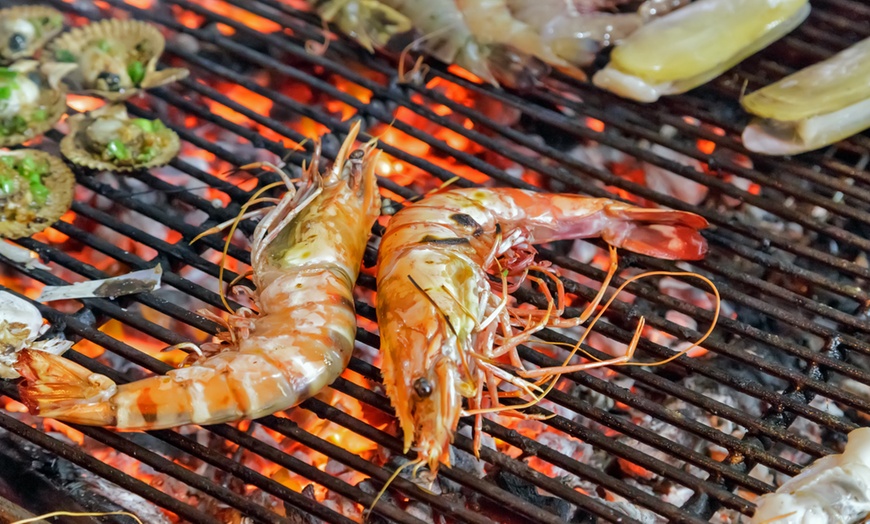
833, 183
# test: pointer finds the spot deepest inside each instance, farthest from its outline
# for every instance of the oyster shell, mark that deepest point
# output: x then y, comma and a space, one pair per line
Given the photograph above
28, 206
116, 58
20, 325
108, 139
24, 30
32, 99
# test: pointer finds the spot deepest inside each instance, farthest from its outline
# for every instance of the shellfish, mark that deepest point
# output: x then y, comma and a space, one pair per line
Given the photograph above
24, 30
36, 189
32, 99
116, 58
108, 139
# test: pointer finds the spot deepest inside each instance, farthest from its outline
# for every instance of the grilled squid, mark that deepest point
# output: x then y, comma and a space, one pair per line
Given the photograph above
834, 489
20, 325
25, 29
116, 58
695, 44
32, 99
812, 108
108, 139
36, 188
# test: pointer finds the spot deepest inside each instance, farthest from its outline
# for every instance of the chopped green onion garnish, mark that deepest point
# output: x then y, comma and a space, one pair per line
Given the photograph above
6, 185
136, 71
144, 124
28, 167
39, 192
6, 74
103, 45
39, 115
118, 150
64, 55
9, 160
147, 154
158, 125
5, 92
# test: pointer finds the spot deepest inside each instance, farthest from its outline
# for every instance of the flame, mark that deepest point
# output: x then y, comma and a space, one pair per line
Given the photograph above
84, 103
239, 15
141, 4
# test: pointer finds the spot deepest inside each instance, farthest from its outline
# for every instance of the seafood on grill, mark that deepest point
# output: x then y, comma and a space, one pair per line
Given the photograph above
695, 44
36, 189
116, 58
438, 311
306, 256
834, 489
20, 325
108, 139
32, 99
502, 42
812, 108
24, 30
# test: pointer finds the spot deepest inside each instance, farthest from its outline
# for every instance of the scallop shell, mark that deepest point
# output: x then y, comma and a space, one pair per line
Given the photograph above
28, 11
129, 32
54, 101
78, 155
62, 183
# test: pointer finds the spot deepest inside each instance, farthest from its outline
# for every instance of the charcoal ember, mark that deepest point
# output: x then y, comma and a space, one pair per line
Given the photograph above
527, 491
41, 481
296, 516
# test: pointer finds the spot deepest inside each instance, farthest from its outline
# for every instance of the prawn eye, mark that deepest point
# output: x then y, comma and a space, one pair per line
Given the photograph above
357, 154
422, 387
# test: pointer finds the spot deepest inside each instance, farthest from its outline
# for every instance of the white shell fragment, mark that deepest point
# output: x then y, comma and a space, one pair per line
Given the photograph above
834, 489
20, 325
141, 281
20, 255
812, 108
693, 45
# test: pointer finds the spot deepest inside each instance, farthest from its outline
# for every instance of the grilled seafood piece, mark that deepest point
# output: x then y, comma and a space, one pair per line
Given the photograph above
812, 108
25, 29
834, 489
116, 58
20, 325
306, 254
689, 47
502, 42
438, 313
36, 189
32, 99
108, 139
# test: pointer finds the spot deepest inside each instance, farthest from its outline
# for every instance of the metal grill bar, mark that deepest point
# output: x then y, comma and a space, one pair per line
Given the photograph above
642, 123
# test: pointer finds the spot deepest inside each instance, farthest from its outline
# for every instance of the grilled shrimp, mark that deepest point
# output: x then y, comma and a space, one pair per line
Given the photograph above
444, 33
437, 310
305, 255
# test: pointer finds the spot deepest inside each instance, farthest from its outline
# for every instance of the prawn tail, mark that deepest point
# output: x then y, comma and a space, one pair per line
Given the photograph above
59, 388
660, 233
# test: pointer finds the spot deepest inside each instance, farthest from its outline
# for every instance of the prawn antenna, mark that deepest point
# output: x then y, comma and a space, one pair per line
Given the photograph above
390, 480
420, 69
434, 304
774, 519
253, 200
71, 514
316, 48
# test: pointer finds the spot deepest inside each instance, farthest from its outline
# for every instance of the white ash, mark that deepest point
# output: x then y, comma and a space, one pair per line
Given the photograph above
131, 502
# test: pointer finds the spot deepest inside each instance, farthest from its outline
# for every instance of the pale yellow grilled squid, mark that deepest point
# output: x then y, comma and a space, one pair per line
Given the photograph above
814, 107
695, 44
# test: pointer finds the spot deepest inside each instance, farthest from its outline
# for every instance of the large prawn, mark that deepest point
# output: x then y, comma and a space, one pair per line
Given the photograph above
507, 42
306, 255
438, 310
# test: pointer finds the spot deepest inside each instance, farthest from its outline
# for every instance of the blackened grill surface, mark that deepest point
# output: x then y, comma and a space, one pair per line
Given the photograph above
763, 275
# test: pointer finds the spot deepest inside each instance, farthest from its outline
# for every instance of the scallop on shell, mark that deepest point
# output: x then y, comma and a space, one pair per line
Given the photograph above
61, 183
52, 98
73, 145
105, 52
24, 30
